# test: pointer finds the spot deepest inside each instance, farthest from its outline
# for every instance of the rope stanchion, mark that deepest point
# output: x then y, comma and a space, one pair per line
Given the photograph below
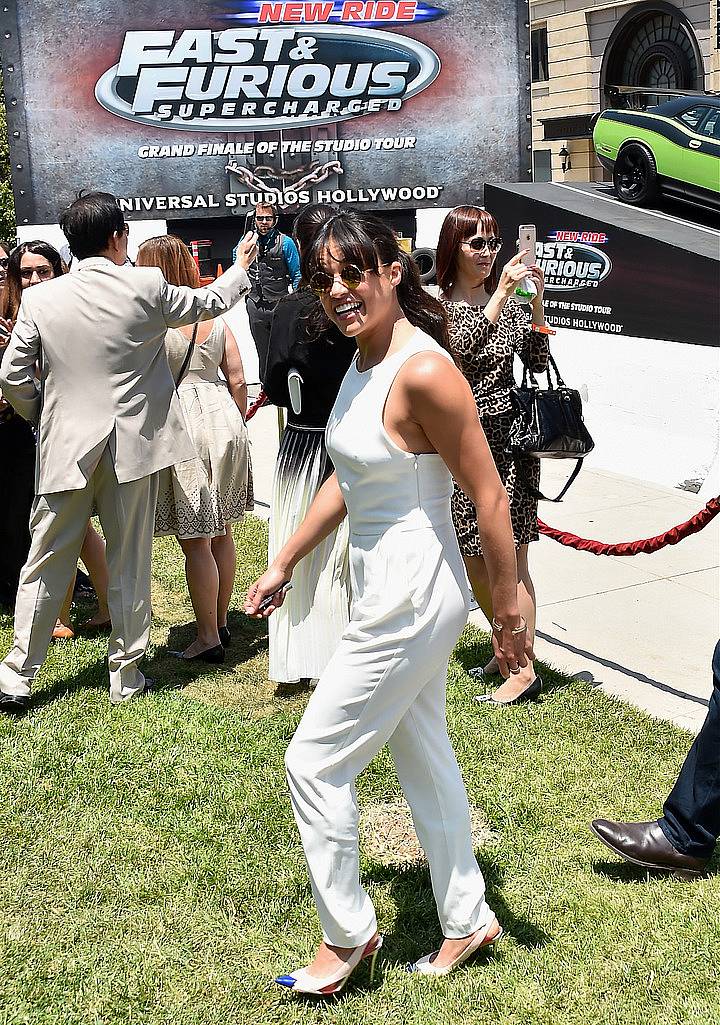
260, 401
647, 545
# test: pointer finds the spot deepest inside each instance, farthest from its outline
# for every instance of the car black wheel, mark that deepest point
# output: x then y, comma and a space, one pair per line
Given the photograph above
635, 175
425, 260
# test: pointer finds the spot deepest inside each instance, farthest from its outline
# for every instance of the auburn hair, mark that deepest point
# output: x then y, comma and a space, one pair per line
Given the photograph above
172, 256
463, 223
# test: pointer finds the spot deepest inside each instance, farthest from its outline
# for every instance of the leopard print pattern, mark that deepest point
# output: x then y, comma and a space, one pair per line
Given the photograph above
516, 477
485, 353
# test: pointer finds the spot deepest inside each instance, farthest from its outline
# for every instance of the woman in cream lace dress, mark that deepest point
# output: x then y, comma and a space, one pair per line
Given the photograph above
198, 499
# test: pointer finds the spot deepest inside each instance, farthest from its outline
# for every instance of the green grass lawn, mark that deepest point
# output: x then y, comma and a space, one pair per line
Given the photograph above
152, 874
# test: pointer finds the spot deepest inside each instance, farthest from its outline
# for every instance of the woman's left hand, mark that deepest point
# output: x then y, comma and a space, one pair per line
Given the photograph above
513, 651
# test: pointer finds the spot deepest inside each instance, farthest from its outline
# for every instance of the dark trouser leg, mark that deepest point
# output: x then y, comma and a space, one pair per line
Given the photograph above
17, 486
691, 816
260, 318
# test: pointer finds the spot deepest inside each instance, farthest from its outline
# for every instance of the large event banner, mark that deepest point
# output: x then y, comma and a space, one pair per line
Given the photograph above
196, 109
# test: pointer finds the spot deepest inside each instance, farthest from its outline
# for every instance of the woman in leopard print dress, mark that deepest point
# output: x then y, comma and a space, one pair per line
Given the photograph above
486, 333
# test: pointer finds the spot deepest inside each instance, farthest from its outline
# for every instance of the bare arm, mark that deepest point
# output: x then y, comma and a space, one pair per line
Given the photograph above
443, 407
325, 514
234, 372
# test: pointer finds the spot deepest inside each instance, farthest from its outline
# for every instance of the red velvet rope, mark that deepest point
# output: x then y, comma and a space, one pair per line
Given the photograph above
259, 402
648, 545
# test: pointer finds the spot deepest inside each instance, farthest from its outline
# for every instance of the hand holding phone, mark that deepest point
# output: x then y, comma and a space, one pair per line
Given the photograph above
267, 602
527, 247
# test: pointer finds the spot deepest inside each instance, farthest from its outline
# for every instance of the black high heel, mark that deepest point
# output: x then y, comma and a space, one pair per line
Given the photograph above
225, 636
215, 656
531, 693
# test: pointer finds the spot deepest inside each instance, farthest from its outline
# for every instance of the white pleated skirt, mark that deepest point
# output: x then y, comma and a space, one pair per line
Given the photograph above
306, 630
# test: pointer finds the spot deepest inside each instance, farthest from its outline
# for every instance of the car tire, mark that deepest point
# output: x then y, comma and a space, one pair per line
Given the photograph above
635, 175
426, 264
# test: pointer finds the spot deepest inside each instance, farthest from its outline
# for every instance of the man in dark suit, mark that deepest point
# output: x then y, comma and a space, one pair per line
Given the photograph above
682, 841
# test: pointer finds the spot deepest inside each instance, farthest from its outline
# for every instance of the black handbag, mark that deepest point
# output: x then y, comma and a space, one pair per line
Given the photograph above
549, 423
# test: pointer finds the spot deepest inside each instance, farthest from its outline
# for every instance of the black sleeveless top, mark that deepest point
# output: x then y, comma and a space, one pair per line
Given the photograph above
321, 360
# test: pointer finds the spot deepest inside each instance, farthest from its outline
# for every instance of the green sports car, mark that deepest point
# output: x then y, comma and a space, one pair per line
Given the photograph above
673, 149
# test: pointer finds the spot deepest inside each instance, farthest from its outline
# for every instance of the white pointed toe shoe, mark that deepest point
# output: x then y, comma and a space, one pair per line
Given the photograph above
426, 965
300, 981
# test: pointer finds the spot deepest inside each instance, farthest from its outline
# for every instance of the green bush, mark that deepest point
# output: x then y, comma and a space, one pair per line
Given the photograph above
7, 203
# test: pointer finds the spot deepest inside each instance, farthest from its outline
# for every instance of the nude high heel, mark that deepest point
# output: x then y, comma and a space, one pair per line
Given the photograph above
300, 981
426, 965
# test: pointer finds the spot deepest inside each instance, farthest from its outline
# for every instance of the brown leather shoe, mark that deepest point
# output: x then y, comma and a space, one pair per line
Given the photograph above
645, 844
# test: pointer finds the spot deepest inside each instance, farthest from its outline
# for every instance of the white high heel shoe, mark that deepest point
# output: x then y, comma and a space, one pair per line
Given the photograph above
300, 981
479, 941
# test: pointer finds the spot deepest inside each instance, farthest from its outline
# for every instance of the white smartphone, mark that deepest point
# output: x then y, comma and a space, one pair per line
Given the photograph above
527, 239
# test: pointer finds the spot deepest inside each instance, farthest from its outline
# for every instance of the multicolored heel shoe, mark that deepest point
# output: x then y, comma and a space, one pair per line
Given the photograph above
300, 981
426, 965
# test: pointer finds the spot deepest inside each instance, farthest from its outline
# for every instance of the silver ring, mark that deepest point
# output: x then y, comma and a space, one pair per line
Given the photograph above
515, 671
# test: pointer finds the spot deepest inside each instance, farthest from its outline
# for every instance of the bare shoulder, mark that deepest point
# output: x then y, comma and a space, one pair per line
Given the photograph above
428, 371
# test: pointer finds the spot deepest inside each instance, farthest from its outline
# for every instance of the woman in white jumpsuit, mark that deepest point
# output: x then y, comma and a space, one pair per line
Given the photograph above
404, 418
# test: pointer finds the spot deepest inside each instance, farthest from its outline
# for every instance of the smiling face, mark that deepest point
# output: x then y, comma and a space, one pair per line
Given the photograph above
361, 308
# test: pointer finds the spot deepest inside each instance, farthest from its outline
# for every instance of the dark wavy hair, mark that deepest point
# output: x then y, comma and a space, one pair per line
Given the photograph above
462, 223
368, 242
14, 286
309, 221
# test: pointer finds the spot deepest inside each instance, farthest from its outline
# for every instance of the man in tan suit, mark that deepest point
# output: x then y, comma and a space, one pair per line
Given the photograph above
108, 419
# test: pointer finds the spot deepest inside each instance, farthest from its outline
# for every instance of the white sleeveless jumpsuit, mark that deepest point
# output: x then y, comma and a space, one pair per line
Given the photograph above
386, 681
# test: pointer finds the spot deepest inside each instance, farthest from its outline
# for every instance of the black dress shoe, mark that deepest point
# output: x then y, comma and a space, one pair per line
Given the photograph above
225, 637
214, 655
531, 693
645, 844
13, 704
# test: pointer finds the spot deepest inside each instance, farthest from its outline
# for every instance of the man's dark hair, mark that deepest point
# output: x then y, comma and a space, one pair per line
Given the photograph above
90, 222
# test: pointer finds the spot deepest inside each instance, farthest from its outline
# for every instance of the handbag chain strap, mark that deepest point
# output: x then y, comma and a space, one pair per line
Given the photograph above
529, 375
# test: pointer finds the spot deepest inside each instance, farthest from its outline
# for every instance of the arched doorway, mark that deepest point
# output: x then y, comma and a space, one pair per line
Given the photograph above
652, 47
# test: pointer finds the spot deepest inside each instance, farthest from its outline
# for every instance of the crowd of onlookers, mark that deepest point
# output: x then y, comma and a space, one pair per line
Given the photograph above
396, 484
302, 363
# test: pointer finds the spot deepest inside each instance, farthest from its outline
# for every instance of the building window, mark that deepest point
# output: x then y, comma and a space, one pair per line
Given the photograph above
539, 54
653, 47
542, 165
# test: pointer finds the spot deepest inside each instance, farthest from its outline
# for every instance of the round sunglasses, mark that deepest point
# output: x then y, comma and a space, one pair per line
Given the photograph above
351, 276
478, 245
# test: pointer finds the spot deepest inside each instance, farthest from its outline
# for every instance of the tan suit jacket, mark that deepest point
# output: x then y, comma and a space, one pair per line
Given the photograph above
99, 335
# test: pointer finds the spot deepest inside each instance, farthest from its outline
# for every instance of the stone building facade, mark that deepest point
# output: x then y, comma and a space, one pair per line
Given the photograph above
582, 50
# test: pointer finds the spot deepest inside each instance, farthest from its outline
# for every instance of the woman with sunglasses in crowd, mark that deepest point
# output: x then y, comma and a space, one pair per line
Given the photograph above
487, 331
30, 264
403, 421
305, 632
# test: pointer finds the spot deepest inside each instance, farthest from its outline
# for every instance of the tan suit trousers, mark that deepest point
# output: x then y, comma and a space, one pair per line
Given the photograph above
58, 524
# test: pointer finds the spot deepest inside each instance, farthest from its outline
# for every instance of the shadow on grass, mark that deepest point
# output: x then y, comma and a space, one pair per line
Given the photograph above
628, 873
417, 930
249, 639
92, 677
477, 650
166, 671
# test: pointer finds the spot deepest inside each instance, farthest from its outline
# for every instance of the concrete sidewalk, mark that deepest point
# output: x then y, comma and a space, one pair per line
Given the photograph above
644, 627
